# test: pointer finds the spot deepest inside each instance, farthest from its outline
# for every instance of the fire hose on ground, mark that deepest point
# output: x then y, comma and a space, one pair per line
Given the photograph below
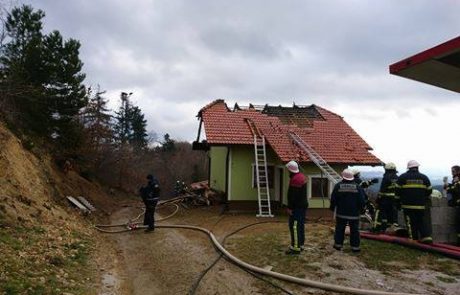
280, 276
131, 225
250, 267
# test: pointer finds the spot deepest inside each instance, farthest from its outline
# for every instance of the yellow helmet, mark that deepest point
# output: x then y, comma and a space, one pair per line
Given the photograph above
390, 166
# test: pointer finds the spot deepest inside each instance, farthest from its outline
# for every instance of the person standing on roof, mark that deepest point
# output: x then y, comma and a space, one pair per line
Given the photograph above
414, 190
297, 207
150, 195
386, 213
454, 190
347, 199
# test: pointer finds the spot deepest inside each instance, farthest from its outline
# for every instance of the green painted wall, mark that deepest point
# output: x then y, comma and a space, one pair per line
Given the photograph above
242, 159
218, 157
240, 178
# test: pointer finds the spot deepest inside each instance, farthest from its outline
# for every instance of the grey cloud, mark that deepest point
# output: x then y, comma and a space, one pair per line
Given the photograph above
262, 51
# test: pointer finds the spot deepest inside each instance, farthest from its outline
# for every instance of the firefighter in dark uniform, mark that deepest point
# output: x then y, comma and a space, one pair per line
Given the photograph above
297, 207
414, 190
365, 184
386, 213
150, 195
454, 190
362, 183
348, 200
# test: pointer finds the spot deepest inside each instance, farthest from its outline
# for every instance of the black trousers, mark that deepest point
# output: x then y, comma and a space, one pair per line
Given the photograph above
297, 228
339, 235
417, 225
386, 214
149, 216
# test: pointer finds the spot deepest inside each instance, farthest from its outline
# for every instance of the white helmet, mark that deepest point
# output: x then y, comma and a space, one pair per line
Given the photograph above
347, 174
390, 166
293, 167
412, 164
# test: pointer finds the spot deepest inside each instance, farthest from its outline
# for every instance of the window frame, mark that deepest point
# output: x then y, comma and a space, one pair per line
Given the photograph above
310, 186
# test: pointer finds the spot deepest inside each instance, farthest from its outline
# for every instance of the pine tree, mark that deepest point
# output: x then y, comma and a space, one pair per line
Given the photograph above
64, 89
97, 121
122, 126
41, 77
22, 74
168, 144
138, 136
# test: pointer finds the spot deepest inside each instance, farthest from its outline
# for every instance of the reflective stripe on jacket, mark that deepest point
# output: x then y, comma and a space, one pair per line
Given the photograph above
389, 184
414, 189
348, 198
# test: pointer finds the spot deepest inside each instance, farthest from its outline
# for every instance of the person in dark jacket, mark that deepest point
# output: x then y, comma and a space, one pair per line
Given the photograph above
150, 195
386, 213
365, 184
297, 207
414, 190
454, 190
362, 183
348, 200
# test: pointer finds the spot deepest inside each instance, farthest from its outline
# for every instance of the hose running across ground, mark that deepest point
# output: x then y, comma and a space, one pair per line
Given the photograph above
202, 274
132, 224
284, 277
252, 268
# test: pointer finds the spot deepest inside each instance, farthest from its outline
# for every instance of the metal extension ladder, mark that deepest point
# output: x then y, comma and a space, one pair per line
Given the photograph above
263, 191
330, 173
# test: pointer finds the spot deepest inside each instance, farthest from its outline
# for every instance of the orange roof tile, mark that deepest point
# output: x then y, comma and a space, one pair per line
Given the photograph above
330, 135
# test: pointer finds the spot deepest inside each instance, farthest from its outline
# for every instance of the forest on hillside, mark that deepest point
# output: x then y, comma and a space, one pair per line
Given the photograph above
45, 102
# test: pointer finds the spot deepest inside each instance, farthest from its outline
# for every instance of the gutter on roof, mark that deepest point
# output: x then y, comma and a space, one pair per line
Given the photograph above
425, 55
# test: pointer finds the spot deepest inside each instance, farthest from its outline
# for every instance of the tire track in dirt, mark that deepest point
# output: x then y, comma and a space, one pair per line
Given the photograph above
168, 261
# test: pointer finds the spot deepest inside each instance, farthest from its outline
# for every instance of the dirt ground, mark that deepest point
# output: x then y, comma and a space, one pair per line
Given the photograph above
169, 261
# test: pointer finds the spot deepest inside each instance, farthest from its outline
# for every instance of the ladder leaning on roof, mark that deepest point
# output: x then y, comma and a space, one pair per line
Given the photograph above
330, 173
260, 154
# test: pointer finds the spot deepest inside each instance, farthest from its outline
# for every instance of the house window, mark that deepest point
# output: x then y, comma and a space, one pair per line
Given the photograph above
319, 187
271, 173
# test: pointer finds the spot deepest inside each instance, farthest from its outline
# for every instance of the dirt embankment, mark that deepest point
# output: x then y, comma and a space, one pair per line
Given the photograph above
47, 247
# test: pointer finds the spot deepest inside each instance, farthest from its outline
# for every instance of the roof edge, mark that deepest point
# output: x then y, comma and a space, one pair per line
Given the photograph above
425, 55
214, 102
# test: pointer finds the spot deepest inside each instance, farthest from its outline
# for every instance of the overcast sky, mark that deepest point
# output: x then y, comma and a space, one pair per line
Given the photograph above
176, 56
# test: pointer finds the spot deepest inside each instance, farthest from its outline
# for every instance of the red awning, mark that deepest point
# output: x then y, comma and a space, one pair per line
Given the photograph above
438, 66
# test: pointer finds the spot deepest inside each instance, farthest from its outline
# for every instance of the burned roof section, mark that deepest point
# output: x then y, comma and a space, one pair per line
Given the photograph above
322, 129
301, 116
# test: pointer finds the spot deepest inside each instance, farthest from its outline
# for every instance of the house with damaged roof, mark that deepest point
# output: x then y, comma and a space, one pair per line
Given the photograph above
235, 139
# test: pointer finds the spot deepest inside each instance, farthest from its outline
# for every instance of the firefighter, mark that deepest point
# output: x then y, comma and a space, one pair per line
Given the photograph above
150, 195
386, 213
454, 190
358, 180
348, 200
297, 207
414, 190
365, 184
